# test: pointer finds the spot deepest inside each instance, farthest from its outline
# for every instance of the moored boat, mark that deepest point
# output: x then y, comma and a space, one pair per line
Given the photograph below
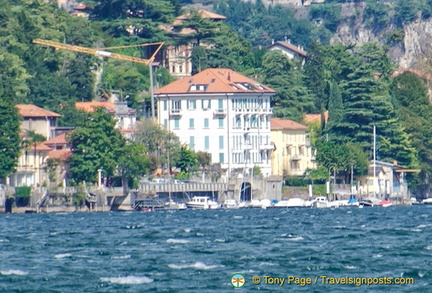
385, 203
202, 202
230, 204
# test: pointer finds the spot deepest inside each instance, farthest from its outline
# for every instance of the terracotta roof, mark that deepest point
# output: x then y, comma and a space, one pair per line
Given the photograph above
204, 14
278, 123
58, 140
41, 147
214, 80
290, 47
28, 110
308, 118
60, 154
91, 106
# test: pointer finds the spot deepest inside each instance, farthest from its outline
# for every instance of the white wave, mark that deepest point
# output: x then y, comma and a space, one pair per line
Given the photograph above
270, 264
429, 247
173, 240
377, 255
298, 238
127, 280
238, 217
198, 265
13, 272
121, 257
187, 230
350, 267
4, 240
200, 234
219, 240
63, 255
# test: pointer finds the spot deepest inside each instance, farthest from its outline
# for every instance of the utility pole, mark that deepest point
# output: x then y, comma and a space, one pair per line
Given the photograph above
152, 90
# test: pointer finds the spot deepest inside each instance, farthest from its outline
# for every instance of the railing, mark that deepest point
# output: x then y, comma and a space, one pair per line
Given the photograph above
186, 187
175, 112
219, 112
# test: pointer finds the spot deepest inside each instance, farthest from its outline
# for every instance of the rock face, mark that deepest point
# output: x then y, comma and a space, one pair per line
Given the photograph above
409, 53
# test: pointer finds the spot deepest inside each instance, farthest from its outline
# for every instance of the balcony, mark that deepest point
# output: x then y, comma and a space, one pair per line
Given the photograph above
175, 112
219, 112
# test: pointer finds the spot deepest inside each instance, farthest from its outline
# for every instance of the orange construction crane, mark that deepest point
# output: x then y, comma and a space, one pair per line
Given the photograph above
101, 51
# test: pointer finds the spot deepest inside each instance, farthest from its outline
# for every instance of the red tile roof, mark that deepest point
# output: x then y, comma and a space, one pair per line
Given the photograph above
214, 80
91, 106
308, 118
278, 123
58, 140
290, 47
60, 154
40, 147
32, 111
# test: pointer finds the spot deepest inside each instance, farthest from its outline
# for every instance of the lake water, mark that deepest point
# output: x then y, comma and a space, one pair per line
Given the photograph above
199, 251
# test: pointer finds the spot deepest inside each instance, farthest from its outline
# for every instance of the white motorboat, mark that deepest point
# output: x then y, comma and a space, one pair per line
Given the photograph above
263, 203
230, 204
172, 205
291, 203
202, 202
427, 200
321, 202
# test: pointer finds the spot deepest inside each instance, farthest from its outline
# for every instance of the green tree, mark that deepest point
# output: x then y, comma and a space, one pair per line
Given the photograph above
187, 160
292, 98
410, 96
162, 145
10, 142
132, 163
95, 144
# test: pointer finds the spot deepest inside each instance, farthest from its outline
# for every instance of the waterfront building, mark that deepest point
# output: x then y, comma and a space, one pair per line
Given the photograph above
383, 180
221, 112
293, 153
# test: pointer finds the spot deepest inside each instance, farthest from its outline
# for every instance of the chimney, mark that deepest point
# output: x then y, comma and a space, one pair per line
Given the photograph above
229, 76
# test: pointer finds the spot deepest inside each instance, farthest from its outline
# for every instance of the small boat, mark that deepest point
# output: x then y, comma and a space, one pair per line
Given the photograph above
427, 200
230, 204
203, 203
292, 203
385, 203
366, 203
172, 205
263, 203
321, 202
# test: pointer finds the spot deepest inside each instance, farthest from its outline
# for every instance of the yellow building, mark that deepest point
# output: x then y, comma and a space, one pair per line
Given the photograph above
292, 154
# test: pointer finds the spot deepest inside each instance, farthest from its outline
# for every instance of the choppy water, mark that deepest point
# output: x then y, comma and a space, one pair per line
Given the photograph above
199, 251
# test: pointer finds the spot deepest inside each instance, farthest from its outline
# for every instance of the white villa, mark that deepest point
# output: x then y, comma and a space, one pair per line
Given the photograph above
221, 112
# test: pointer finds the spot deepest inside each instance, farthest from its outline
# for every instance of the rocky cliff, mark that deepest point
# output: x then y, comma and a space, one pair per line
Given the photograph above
409, 47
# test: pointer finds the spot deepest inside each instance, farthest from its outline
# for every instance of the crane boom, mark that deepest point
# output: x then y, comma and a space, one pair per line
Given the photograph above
98, 52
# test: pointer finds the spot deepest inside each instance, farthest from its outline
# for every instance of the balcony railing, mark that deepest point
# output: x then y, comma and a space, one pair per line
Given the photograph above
219, 112
175, 112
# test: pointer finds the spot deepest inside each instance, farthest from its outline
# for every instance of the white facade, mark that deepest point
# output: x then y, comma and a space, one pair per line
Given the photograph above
233, 127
